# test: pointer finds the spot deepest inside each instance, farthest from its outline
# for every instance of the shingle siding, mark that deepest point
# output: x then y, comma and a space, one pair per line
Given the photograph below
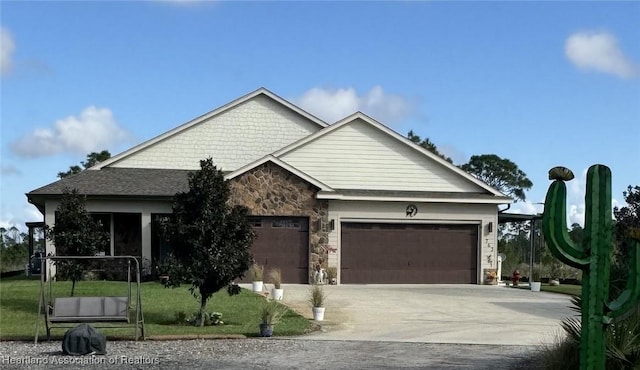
233, 138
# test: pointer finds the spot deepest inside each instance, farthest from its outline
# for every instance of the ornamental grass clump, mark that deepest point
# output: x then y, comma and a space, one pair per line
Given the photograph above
272, 312
256, 272
332, 275
317, 296
275, 276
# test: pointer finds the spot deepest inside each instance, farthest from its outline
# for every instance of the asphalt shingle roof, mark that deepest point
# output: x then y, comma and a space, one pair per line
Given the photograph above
121, 182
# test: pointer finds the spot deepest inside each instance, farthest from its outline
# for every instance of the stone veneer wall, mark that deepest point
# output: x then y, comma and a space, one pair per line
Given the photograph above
270, 190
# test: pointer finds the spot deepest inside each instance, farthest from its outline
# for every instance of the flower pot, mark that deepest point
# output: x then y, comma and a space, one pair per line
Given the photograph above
266, 330
318, 313
256, 286
535, 286
490, 281
277, 294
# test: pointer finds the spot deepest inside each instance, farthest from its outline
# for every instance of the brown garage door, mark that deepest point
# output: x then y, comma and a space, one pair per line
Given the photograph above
379, 253
282, 242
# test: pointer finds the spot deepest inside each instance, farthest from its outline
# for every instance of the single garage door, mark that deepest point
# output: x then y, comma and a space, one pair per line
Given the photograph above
282, 242
378, 253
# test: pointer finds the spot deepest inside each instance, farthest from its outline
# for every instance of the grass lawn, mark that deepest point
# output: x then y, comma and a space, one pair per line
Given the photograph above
241, 313
561, 289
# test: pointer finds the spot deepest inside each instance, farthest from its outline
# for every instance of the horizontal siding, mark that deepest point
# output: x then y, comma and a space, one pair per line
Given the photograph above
233, 138
359, 156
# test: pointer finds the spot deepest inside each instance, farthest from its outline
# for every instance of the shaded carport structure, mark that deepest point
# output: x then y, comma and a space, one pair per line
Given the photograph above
535, 228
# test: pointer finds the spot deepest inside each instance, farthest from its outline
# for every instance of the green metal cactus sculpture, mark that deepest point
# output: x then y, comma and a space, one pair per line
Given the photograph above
593, 257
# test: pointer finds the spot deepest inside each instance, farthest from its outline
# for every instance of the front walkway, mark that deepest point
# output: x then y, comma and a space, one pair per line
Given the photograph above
463, 314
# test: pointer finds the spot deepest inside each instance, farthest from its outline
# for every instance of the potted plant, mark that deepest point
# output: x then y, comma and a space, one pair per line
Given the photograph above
270, 315
255, 274
491, 276
535, 280
317, 298
332, 275
275, 276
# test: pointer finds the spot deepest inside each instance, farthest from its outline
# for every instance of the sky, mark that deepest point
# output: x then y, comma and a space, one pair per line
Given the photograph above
540, 83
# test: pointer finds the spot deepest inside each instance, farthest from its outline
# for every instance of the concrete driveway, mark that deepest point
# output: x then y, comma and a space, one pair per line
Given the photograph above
463, 314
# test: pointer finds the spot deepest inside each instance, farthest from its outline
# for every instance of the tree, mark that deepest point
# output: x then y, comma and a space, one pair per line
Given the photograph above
576, 233
514, 242
626, 232
14, 249
500, 173
427, 144
75, 234
12, 236
93, 158
627, 224
210, 240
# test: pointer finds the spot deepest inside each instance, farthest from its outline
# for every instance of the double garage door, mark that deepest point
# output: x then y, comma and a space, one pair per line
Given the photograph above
378, 253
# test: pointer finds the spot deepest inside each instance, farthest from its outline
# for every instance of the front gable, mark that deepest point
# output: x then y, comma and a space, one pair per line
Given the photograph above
269, 189
357, 154
278, 163
233, 135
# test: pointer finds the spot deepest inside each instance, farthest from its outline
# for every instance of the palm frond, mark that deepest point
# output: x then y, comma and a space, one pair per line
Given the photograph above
572, 328
576, 304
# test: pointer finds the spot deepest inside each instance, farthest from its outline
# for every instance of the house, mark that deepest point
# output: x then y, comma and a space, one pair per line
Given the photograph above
353, 195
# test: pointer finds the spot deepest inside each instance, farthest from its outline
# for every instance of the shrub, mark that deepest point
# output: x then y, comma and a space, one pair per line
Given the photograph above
210, 318
622, 342
562, 354
13, 257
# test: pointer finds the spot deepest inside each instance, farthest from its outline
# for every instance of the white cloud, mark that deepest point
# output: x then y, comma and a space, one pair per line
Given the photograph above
9, 220
334, 104
576, 189
451, 151
599, 51
94, 129
29, 214
7, 47
32, 214
9, 170
527, 208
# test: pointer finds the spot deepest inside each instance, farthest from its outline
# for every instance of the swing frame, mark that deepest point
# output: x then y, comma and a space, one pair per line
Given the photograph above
103, 311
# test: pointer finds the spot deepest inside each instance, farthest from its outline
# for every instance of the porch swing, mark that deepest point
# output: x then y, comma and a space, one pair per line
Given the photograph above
102, 311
